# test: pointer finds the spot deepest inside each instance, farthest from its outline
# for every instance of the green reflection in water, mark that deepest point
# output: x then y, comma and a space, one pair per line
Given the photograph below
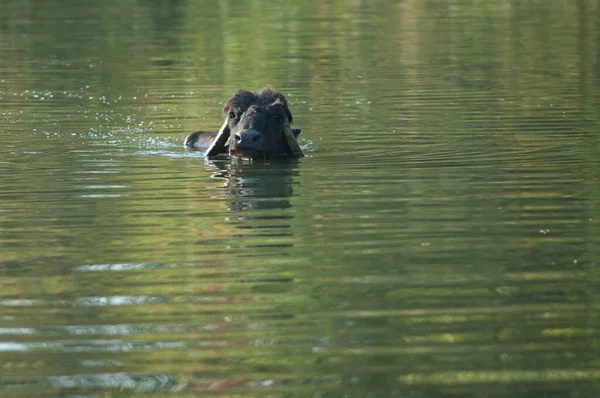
439, 239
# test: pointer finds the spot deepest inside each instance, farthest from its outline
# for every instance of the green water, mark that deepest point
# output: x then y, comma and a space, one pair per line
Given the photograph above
440, 238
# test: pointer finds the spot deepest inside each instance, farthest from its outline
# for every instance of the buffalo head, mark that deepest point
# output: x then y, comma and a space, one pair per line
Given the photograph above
256, 125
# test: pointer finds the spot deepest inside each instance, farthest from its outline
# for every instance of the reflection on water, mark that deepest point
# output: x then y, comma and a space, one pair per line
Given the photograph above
256, 185
440, 239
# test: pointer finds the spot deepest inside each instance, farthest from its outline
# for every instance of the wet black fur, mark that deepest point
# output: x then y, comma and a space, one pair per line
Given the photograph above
242, 100
240, 110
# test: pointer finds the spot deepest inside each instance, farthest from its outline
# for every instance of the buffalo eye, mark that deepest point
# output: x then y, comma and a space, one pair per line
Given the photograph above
232, 115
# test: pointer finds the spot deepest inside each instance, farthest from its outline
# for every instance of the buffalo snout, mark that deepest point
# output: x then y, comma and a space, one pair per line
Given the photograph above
248, 139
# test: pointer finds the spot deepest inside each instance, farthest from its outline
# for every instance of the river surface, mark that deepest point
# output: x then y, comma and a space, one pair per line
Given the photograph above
441, 238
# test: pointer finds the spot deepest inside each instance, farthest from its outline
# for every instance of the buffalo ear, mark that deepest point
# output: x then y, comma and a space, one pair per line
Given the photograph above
220, 141
199, 139
290, 138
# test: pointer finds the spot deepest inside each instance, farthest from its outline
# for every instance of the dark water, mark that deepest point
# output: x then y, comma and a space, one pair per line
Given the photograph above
440, 239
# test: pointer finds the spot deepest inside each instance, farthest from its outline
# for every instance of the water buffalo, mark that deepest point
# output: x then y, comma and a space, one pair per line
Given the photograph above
257, 126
